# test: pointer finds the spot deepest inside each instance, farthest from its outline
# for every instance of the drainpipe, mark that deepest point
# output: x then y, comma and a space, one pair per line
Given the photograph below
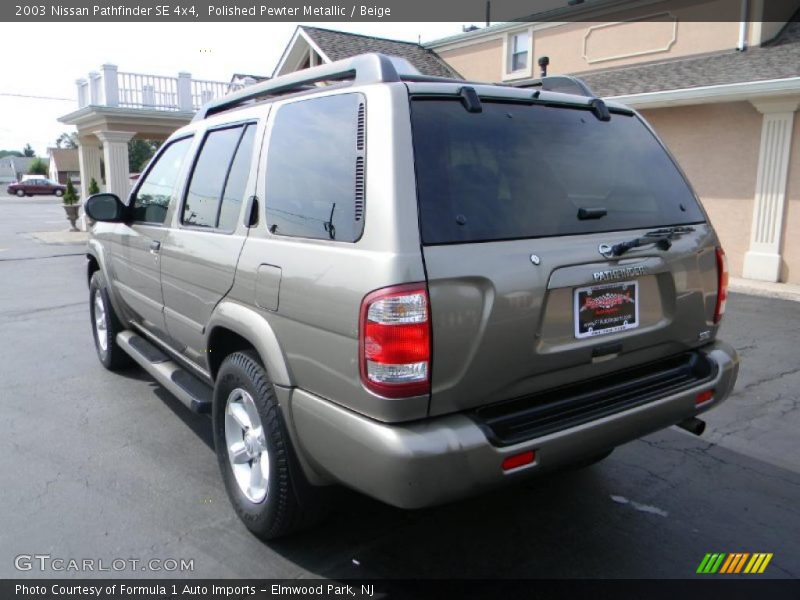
743, 24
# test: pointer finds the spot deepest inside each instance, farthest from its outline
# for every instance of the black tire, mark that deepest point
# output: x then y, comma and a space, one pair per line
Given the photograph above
20, 193
112, 356
59, 193
291, 503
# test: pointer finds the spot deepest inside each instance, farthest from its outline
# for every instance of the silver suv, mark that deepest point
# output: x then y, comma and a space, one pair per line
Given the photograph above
419, 288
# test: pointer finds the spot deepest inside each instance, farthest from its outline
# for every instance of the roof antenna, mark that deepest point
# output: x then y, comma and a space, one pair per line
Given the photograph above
488, 12
543, 62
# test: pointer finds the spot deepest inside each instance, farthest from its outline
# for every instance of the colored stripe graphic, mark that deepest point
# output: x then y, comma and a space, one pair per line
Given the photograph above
740, 564
729, 564
711, 563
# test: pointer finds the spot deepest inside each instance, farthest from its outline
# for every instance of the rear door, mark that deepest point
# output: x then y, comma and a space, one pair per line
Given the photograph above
199, 254
519, 205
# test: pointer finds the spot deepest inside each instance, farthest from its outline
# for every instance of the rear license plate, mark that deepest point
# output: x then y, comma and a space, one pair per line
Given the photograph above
601, 309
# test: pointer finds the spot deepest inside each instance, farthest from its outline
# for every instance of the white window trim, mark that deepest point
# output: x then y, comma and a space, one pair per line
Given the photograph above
525, 73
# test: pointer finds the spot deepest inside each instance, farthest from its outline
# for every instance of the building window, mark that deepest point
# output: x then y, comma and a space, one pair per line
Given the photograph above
519, 51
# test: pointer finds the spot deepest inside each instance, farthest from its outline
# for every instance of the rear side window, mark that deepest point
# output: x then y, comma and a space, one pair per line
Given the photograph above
219, 178
156, 191
523, 171
315, 169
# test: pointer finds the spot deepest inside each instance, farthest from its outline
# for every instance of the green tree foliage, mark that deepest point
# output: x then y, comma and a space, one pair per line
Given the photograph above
67, 140
38, 167
139, 154
4, 153
70, 196
28, 151
93, 187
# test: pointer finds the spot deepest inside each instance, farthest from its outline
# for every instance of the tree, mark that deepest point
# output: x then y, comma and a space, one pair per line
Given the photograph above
139, 154
93, 187
28, 151
68, 139
4, 153
37, 167
70, 196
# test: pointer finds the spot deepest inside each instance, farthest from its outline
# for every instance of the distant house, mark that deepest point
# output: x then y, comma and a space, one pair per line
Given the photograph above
242, 80
311, 46
64, 165
12, 168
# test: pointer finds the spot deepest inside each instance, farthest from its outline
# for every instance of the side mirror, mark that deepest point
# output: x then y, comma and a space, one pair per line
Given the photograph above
105, 207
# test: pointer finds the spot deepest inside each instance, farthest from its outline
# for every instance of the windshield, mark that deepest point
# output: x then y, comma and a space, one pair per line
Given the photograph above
521, 171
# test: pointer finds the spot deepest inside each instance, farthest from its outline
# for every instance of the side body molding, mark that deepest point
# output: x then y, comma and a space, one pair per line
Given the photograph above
254, 328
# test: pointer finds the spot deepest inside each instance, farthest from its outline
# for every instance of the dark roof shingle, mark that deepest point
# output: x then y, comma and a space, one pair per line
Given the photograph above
338, 45
778, 59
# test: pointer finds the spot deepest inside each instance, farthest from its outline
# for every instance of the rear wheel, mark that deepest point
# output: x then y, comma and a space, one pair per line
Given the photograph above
262, 477
20, 193
105, 326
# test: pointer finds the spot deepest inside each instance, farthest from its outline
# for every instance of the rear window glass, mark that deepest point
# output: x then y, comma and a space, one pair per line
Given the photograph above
522, 171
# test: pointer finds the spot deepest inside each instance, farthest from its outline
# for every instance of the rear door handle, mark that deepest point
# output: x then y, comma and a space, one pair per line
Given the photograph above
155, 247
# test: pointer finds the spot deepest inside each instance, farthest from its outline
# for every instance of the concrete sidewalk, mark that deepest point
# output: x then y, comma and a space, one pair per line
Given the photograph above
783, 291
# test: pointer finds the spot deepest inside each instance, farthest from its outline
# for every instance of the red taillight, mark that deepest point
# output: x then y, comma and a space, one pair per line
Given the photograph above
395, 341
722, 284
518, 460
703, 397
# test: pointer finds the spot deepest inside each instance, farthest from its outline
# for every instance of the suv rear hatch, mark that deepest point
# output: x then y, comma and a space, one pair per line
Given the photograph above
520, 205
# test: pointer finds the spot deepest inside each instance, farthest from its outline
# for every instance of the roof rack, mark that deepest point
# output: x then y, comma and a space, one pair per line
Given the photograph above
362, 69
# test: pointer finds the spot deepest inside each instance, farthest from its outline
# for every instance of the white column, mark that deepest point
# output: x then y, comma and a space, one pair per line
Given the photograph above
115, 156
82, 86
763, 260
89, 163
110, 84
185, 92
94, 88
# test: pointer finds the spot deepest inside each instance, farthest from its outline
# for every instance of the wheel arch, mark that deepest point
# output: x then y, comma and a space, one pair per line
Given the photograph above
236, 327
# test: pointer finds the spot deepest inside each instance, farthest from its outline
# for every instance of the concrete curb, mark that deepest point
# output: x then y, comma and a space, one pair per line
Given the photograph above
782, 291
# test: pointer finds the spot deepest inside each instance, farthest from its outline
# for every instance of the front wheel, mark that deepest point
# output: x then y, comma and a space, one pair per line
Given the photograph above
262, 477
20, 193
59, 193
105, 326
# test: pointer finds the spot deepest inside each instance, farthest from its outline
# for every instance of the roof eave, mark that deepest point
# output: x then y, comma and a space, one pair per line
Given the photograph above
729, 92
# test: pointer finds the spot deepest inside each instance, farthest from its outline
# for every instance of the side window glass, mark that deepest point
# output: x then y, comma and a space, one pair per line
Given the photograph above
315, 178
158, 188
237, 181
208, 177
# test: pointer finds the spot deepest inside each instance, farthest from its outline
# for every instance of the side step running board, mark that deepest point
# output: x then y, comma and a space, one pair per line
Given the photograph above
187, 388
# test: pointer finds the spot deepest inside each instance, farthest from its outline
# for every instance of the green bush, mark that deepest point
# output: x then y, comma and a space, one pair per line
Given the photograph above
93, 187
70, 196
38, 167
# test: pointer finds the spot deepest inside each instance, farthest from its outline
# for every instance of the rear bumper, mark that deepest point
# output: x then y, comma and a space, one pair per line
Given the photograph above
429, 462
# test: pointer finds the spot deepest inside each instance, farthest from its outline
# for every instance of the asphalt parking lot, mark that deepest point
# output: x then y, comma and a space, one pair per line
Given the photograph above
103, 466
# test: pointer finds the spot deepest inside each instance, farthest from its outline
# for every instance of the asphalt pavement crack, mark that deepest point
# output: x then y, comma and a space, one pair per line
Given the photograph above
768, 379
42, 257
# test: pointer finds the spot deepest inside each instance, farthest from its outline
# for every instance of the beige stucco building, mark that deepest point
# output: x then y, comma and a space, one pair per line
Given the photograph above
722, 95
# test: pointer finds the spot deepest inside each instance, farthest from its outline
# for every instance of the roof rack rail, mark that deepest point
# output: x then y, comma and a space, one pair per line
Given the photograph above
362, 69
566, 84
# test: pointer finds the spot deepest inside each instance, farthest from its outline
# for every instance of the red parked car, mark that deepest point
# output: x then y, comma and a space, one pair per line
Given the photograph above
31, 187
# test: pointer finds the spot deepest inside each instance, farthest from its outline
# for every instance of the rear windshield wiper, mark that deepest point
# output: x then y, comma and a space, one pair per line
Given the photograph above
661, 238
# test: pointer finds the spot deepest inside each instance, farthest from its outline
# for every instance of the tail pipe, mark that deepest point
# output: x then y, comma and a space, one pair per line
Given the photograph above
693, 425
